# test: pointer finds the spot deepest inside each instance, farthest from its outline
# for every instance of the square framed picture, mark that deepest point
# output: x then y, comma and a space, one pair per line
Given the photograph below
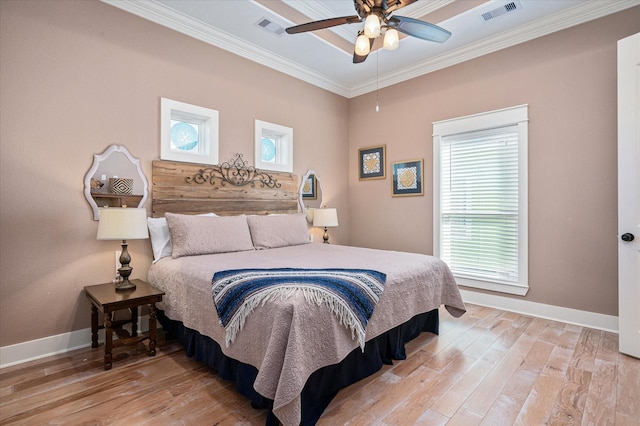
371, 162
309, 188
407, 178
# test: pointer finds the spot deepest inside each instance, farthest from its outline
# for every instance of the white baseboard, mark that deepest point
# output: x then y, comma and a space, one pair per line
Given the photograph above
52, 345
47, 346
541, 310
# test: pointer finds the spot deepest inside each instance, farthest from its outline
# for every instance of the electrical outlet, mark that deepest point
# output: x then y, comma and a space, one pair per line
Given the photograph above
118, 264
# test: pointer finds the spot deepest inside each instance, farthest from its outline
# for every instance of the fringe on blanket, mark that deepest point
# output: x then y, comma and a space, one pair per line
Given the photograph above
317, 296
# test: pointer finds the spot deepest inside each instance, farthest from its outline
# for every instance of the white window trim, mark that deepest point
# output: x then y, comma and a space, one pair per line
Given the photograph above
206, 118
285, 136
517, 115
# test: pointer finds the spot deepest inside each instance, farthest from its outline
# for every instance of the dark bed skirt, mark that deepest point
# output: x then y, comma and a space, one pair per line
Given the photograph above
324, 384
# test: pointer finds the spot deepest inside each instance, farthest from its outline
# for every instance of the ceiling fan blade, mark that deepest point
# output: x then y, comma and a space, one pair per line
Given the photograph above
361, 58
325, 23
419, 29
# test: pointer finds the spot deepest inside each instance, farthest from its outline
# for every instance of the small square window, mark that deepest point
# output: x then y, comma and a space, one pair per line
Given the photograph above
188, 133
273, 147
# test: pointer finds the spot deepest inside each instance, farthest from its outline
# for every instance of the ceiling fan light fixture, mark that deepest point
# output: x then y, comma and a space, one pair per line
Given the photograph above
362, 45
372, 26
391, 39
378, 21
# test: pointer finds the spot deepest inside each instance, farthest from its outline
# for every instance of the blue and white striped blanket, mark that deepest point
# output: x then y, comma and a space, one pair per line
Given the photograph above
351, 294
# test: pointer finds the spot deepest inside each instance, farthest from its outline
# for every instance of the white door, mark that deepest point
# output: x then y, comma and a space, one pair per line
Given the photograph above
629, 194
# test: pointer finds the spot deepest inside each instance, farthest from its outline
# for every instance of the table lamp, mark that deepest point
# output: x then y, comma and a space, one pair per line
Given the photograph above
325, 218
123, 224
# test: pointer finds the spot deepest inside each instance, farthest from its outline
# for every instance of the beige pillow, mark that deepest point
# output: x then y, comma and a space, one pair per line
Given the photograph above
273, 231
160, 237
193, 235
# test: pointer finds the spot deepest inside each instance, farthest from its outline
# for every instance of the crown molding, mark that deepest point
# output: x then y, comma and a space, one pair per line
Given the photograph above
167, 17
580, 14
160, 14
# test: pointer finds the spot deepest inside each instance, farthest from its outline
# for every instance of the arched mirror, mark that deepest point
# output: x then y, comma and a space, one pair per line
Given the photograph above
310, 193
115, 179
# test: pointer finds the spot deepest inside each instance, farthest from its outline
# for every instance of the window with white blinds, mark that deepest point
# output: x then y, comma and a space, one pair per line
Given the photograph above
480, 206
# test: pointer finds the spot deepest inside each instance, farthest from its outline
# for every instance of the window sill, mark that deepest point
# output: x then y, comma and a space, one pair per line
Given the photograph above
517, 289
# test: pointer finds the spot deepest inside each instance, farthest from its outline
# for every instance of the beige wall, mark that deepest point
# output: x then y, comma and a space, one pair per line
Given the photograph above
78, 76
569, 81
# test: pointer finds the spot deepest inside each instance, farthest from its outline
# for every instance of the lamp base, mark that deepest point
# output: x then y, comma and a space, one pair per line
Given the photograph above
325, 237
125, 270
125, 285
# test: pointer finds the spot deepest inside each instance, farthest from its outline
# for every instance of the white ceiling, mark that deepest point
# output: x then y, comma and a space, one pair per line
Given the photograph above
325, 59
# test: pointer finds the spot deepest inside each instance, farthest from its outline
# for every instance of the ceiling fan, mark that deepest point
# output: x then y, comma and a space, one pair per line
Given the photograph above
377, 17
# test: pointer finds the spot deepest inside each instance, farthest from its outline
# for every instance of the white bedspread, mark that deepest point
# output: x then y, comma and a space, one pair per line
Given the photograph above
287, 340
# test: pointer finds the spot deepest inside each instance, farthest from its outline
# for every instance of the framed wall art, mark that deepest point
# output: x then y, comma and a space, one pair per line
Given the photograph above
371, 162
407, 178
188, 132
309, 188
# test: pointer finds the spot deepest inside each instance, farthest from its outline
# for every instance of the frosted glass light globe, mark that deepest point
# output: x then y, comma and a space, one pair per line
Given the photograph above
362, 45
391, 39
372, 26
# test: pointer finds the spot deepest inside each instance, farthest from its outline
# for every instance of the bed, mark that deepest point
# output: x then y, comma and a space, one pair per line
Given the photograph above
288, 353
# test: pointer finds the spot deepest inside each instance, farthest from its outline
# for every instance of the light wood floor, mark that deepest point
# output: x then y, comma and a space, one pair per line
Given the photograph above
487, 368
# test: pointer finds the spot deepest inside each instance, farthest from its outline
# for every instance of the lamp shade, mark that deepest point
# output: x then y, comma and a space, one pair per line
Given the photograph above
325, 218
122, 224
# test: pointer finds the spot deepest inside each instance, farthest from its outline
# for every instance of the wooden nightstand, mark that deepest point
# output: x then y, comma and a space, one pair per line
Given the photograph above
106, 300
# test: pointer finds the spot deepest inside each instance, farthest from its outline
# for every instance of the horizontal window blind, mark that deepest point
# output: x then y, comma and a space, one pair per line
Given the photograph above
479, 204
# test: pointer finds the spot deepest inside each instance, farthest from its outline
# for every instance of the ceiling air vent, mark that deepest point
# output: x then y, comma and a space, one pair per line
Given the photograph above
270, 26
509, 7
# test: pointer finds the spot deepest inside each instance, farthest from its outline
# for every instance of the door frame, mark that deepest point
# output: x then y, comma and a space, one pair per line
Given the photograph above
629, 194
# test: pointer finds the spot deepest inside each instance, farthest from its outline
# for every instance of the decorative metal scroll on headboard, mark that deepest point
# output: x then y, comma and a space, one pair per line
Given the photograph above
237, 172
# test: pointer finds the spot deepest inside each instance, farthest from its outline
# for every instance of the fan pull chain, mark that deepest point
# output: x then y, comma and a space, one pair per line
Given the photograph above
377, 64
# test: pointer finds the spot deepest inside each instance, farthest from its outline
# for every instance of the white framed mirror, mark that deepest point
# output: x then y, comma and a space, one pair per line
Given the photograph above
115, 179
310, 193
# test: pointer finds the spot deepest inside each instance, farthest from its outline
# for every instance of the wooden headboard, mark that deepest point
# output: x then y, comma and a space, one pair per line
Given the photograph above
229, 188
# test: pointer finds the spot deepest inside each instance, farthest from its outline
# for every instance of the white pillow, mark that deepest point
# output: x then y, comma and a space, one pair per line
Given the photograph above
160, 236
193, 235
272, 231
